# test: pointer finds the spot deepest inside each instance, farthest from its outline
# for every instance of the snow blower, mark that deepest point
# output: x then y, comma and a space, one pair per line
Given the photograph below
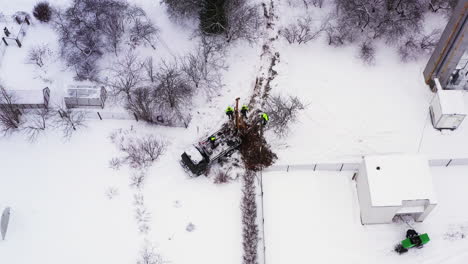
413, 240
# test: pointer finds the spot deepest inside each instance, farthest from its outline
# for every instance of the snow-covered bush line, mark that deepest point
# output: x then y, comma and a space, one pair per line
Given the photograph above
249, 219
139, 151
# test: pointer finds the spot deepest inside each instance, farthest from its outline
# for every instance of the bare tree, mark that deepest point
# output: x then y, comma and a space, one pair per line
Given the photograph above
9, 113
302, 31
142, 103
143, 30
283, 111
243, 20
36, 123
38, 55
148, 255
173, 90
69, 120
203, 66
127, 75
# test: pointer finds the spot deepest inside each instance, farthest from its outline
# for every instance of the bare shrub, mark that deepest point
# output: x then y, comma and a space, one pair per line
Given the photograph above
9, 113
249, 219
38, 55
173, 91
412, 47
222, 177
139, 152
243, 20
443, 5
302, 31
142, 215
282, 112
148, 255
203, 66
142, 104
137, 179
69, 120
127, 75
367, 52
143, 31
115, 163
36, 122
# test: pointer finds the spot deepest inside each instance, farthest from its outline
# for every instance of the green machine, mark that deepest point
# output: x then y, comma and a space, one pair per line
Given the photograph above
413, 239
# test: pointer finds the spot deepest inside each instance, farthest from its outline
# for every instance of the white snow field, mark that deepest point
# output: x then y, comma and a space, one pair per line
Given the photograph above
68, 206
59, 193
313, 217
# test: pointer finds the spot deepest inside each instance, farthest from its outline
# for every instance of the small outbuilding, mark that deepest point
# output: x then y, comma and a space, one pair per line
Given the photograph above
393, 185
85, 96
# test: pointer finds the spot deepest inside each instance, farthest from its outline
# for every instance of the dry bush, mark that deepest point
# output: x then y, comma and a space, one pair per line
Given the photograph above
282, 112
148, 255
9, 113
302, 31
36, 122
222, 177
139, 152
69, 120
367, 52
38, 55
203, 67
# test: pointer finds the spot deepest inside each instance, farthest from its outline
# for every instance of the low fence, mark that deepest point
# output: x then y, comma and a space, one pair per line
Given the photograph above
354, 166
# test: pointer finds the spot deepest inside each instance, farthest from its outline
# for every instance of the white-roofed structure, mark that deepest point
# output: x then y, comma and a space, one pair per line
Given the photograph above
448, 109
392, 185
85, 96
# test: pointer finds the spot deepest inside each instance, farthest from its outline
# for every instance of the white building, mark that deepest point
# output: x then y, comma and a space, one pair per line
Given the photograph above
392, 185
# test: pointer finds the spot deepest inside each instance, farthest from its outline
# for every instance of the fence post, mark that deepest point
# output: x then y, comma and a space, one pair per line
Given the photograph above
4, 41
99, 115
287, 169
450, 161
342, 164
315, 166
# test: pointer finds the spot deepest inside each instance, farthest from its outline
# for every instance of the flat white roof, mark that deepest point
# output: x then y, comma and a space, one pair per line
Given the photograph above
451, 101
394, 178
27, 96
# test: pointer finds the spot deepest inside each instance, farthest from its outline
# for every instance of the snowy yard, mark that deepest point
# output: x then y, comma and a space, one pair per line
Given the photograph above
63, 207
69, 206
313, 217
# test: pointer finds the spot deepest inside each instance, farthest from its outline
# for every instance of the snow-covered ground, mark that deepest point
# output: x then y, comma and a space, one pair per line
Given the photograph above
68, 205
313, 217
